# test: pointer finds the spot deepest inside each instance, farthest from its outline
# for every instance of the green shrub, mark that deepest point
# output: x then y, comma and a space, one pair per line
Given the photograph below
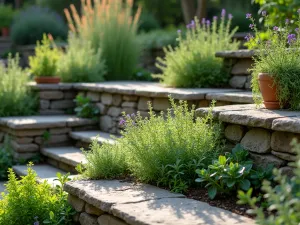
84, 107
31, 23
6, 158
6, 15
113, 30
15, 97
193, 62
231, 173
27, 201
148, 22
165, 149
283, 200
58, 5
45, 60
81, 63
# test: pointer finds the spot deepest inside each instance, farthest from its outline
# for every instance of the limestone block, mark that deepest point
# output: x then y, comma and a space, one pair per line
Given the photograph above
23, 148
106, 123
90, 209
86, 219
222, 103
64, 130
129, 110
62, 104
287, 170
144, 114
24, 156
285, 156
143, 103
242, 66
23, 140
70, 95
116, 100
51, 112
106, 99
129, 104
257, 140
93, 96
234, 133
263, 160
44, 104
51, 95
161, 104
248, 82
130, 98
53, 139
28, 133
238, 81
110, 220
77, 203
102, 108
114, 111
280, 141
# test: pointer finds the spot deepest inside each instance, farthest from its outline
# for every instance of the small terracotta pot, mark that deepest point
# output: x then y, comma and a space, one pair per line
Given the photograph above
268, 90
5, 31
47, 80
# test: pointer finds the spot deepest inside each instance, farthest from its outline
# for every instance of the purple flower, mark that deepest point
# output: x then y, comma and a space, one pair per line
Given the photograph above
297, 29
36, 223
251, 26
203, 21
275, 28
248, 37
298, 11
208, 22
178, 31
291, 38
193, 22
215, 18
191, 25
223, 13
230, 16
122, 122
248, 15
263, 13
132, 115
287, 21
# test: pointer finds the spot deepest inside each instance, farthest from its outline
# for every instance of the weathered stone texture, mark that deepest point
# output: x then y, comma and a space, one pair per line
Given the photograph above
203, 103
129, 104
263, 160
129, 110
62, 104
117, 100
93, 96
110, 220
143, 103
114, 111
86, 219
242, 67
106, 123
106, 99
77, 203
53, 139
44, 104
285, 156
234, 133
130, 98
238, 81
60, 130
51, 95
90, 209
102, 108
280, 141
257, 140
23, 140
23, 148
160, 104
287, 170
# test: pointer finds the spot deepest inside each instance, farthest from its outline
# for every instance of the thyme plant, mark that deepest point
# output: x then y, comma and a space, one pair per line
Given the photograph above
193, 63
280, 58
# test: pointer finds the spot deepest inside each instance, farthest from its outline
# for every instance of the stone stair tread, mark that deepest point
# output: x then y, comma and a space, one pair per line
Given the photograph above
44, 172
229, 96
68, 155
43, 122
89, 136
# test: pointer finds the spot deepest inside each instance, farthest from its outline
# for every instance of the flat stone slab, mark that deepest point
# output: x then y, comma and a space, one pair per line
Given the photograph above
89, 136
171, 211
69, 155
103, 194
236, 54
290, 124
236, 97
44, 122
50, 87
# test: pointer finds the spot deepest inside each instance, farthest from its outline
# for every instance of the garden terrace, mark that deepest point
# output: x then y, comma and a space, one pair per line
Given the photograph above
266, 134
113, 98
238, 62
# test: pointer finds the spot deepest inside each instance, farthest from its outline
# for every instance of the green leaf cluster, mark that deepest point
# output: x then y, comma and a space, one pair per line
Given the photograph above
193, 63
283, 199
45, 60
6, 15
84, 107
27, 201
15, 97
165, 149
6, 158
229, 174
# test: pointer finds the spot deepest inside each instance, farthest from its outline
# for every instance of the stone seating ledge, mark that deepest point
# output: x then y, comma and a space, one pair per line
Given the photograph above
137, 204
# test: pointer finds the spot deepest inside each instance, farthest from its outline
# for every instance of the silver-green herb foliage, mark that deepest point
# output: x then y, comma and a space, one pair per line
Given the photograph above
193, 63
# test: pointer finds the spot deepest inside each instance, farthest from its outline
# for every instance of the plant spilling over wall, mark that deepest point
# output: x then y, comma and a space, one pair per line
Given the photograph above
283, 200
280, 58
45, 60
31, 23
85, 108
193, 62
30, 202
110, 26
165, 149
81, 62
15, 96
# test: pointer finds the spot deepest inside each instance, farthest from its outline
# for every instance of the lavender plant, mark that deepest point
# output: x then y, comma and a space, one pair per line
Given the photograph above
279, 56
193, 62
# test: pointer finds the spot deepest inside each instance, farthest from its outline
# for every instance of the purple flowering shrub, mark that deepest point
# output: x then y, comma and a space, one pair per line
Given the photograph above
278, 56
163, 149
193, 63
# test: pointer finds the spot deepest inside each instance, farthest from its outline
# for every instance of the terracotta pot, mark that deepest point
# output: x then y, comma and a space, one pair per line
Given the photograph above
47, 80
268, 91
5, 31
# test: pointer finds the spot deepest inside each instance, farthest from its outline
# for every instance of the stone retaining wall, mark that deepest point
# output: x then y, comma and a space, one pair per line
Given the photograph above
238, 62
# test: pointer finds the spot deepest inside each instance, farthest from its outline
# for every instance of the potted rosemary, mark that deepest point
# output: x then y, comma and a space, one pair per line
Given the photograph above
6, 17
276, 69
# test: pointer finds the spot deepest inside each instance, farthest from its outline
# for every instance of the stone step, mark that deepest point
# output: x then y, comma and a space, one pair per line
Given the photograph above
44, 172
89, 136
44, 122
65, 158
233, 97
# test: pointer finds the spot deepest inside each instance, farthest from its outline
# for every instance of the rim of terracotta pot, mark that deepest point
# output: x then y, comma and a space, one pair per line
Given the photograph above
47, 80
265, 76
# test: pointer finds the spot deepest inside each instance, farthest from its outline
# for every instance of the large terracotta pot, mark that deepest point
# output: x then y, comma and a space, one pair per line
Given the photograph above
268, 90
5, 31
47, 80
